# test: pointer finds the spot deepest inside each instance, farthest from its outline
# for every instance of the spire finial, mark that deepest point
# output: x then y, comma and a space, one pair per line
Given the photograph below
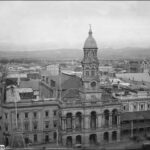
90, 31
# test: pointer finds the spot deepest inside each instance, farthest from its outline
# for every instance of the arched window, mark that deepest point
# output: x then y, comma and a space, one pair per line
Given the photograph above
69, 121
93, 120
78, 139
78, 120
93, 139
87, 73
114, 135
106, 137
106, 117
69, 141
46, 138
114, 117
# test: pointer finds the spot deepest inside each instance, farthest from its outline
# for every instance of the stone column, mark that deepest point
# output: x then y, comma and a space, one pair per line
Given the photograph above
21, 121
110, 137
64, 140
63, 123
99, 121
73, 122
103, 120
118, 120
73, 140
118, 135
85, 139
86, 122
82, 123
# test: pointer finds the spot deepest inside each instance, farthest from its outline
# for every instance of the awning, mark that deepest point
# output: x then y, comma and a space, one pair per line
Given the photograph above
138, 115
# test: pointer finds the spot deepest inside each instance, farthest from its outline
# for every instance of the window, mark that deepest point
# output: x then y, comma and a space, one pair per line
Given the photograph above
52, 83
54, 123
6, 127
87, 73
35, 137
141, 106
35, 125
134, 107
47, 138
43, 78
6, 115
93, 73
125, 107
47, 80
148, 106
55, 135
26, 115
46, 124
46, 113
35, 114
26, 125
17, 116
93, 84
54, 112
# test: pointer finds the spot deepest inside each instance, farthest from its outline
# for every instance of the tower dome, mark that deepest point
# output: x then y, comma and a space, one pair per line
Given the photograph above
90, 42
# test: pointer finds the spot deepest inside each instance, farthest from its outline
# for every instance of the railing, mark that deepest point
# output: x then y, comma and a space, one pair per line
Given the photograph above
135, 125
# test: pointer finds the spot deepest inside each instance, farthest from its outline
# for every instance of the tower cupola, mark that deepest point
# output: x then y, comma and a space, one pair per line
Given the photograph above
90, 42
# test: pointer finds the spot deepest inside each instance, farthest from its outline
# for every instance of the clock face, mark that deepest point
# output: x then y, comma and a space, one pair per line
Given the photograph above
93, 84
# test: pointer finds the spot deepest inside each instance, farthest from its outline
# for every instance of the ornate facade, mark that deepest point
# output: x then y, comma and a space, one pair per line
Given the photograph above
87, 116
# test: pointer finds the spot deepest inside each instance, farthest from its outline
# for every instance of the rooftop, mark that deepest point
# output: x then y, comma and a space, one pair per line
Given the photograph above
143, 77
33, 84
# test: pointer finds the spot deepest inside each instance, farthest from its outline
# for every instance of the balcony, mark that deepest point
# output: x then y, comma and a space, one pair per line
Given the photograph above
135, 125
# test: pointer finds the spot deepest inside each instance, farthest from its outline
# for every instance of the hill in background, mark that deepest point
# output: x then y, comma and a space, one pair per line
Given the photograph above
63, 54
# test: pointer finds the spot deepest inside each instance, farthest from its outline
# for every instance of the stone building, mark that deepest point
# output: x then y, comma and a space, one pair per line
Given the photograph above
25, 114
89, 116
135, 118
73, 110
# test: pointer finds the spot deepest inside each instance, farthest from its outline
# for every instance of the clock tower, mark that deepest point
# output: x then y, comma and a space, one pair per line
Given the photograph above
90, 69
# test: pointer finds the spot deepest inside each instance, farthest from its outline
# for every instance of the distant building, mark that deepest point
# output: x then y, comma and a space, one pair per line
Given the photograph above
33, 75
53, 69
141, 77
137, 66
34, 118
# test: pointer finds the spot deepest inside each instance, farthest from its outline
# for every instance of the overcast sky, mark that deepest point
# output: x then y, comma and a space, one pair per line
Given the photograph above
29, 25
